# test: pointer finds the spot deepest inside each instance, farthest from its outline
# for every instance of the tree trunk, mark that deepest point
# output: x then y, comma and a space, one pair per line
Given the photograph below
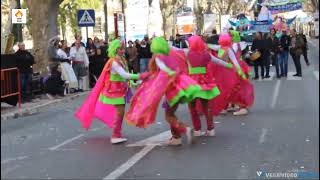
44, 17
6, 26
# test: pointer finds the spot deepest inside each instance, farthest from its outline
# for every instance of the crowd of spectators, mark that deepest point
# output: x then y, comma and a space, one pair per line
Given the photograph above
68, 66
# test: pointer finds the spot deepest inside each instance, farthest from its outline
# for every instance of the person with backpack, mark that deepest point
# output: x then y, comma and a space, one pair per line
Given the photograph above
296, 50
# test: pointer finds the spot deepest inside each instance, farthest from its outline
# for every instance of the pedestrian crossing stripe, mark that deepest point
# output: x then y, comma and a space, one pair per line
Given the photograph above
86, 18
316, 74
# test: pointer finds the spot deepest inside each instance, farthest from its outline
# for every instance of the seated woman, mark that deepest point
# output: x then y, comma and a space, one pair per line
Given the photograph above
54, 85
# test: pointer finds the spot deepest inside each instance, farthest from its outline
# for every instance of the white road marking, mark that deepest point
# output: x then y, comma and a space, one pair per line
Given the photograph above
149, 144
263, 135
316, 74
13, 159
97, 129
127, 165
65, 142
154, 140
275, 94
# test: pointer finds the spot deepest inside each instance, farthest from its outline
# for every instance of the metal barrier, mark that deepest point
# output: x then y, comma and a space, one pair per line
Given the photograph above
7, 87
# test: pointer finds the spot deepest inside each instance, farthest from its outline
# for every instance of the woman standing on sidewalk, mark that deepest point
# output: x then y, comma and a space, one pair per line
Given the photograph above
108, 98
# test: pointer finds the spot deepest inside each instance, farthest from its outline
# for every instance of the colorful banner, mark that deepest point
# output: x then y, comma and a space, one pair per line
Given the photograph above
261, 26
285, 8
279, 2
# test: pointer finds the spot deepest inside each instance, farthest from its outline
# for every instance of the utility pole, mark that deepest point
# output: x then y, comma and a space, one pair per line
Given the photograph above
124, 21
106, 35
19, 26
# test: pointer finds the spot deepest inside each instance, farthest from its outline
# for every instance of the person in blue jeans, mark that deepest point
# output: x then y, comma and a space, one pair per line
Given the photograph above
274, 52
284, 53
144, 55
25, 61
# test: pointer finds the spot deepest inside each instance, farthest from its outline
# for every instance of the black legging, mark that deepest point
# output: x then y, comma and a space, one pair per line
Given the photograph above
257, 63
305, 55
266, 63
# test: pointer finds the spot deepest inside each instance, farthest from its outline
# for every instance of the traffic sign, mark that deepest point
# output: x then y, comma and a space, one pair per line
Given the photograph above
86, 17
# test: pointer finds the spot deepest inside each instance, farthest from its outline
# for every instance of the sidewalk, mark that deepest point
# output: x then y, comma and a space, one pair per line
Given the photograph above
11, 112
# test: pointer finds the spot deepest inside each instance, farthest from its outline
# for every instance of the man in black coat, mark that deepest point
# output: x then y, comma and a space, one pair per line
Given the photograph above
25, 60
305, 48
284, 53
214, 38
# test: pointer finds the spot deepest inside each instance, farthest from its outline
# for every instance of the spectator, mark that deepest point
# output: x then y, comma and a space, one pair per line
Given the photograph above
214, 38
267, 42
66, 69
54, 58
54, 85
146, 39
177, 42
91, 50
144, 56
97, 42
80, 63
180, 42
305, 48
257, 45
284, 52
274, 52
297, 45
137, 44
132, 57
25, 62
78, 37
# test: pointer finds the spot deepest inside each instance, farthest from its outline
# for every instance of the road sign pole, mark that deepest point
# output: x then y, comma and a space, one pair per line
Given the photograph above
87, 34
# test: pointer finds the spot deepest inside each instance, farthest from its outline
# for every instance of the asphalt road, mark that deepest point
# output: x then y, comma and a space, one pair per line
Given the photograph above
280, 135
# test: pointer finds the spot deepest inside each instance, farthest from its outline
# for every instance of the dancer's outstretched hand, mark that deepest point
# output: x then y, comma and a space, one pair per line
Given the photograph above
145, 75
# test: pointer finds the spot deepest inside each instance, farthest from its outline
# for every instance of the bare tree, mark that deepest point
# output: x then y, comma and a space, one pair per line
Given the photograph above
44, 17
198, 9
168, 8
222, 7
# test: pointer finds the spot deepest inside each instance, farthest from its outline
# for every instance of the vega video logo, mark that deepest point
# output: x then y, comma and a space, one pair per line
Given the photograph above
277, 175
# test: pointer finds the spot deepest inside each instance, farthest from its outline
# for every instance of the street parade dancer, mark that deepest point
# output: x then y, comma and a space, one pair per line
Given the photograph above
242, 93
198, 60
108, 98
168, 78
238, 47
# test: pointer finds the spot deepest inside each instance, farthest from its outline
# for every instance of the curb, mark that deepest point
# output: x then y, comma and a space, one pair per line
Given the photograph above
35, 109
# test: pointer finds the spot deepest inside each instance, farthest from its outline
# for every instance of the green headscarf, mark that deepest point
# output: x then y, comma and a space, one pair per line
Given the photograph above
160, 46
113, 47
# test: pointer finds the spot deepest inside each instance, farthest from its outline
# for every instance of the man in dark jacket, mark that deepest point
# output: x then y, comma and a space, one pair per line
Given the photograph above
144, 55
305, 48
296, 50
25, 62
284, 53
214, 38
257, 45
180, 42
267, 43
274, 52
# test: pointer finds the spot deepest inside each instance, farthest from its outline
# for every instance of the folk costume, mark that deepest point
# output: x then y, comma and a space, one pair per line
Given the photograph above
108, 98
